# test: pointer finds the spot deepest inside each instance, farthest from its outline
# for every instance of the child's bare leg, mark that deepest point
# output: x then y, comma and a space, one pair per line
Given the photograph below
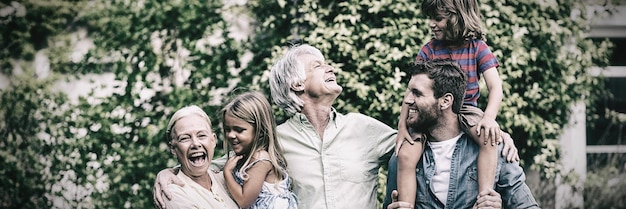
487, 161
408, 156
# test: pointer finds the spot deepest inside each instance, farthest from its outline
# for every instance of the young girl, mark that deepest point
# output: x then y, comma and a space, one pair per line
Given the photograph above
458, 35
256, 176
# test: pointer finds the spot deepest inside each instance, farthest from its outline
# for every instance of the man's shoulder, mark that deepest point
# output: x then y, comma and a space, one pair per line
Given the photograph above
285, 122
354, 114
358, 118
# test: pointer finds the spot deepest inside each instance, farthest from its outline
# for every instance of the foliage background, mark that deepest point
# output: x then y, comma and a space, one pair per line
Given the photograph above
104, 151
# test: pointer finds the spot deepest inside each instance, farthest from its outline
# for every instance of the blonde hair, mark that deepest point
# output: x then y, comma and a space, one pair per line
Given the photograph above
181, 113
254, 108
464, 19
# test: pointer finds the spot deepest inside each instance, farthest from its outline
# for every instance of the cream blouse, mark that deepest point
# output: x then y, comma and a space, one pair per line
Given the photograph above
192, 195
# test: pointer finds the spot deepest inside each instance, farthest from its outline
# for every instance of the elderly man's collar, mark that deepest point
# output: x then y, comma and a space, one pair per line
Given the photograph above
332, 115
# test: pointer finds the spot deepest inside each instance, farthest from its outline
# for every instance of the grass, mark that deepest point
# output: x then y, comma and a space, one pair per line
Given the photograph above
604, 186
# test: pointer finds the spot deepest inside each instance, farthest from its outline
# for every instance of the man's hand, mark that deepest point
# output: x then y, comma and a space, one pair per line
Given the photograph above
509, 150
488, 199
163, 178
398, 205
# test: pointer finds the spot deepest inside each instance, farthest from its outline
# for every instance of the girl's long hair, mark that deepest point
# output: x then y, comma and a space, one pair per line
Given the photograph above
255, 109
464, 19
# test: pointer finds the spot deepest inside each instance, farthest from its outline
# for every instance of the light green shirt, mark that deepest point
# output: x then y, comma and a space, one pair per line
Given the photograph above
342, 170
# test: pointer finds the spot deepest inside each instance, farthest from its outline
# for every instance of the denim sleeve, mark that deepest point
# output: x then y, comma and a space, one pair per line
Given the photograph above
512, 187
392, 171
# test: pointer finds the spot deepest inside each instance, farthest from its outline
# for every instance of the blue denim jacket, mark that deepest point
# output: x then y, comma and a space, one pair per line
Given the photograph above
463, 188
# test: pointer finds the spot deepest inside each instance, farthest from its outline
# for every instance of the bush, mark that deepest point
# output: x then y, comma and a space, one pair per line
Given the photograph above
104, 152
604, 186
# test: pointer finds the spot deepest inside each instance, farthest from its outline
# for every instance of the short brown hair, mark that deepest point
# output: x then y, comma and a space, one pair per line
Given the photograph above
447, 77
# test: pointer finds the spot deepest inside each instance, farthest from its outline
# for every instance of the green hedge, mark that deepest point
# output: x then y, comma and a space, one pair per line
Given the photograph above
104, 152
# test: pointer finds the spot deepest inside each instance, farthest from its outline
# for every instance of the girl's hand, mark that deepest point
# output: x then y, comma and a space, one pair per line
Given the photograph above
232, 163
492, 131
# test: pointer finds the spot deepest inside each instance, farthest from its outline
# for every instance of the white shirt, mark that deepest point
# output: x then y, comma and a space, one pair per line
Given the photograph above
442, 153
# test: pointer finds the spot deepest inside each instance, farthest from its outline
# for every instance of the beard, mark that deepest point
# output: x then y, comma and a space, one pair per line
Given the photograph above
425, 119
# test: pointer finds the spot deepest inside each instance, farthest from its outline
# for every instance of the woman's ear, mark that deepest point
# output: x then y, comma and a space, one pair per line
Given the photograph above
214, 140
297, 87
171, 147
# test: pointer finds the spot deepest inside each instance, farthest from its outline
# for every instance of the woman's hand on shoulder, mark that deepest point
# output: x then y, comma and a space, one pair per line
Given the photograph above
163, 178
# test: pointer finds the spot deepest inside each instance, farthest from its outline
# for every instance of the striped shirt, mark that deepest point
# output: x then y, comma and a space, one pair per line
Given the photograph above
474, 57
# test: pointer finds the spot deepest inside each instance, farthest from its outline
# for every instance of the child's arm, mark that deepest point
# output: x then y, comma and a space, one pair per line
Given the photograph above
494, 83
488, 122
247, 194
403, 132
408, 156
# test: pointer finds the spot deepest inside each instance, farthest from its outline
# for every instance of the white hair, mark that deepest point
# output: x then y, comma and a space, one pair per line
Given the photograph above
181, 113
289, 71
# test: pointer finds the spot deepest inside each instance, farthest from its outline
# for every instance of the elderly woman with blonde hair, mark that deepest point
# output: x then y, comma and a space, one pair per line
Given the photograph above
191, 139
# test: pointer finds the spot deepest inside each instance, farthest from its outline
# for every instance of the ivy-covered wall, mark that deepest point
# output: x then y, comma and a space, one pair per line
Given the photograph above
541, 47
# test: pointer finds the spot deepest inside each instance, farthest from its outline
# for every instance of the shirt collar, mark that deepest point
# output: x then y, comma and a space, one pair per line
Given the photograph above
301, 118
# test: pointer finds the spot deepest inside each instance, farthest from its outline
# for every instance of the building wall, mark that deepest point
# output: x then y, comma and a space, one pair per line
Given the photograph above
576, 139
